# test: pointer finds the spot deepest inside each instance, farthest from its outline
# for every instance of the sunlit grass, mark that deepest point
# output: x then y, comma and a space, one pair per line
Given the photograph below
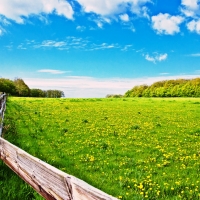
130, 148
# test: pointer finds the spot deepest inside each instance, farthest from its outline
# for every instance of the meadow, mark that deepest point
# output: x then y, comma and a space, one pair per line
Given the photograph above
131, 148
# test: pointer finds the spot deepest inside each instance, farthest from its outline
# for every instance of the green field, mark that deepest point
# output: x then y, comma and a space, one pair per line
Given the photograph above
132, 148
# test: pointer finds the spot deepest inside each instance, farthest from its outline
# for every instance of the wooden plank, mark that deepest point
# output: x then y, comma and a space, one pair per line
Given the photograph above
47, 180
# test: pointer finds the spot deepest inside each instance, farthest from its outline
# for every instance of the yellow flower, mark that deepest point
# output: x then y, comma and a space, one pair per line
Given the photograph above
140, 186
91, 158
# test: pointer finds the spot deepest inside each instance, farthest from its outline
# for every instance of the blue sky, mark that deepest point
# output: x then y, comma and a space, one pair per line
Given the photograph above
91, 48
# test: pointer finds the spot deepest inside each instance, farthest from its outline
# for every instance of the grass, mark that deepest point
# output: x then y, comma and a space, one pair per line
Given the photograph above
130, 148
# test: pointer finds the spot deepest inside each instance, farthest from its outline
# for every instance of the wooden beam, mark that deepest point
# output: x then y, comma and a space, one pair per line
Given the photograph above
47, 180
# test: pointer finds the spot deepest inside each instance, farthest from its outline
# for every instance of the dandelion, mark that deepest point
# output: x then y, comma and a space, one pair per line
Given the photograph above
140, 186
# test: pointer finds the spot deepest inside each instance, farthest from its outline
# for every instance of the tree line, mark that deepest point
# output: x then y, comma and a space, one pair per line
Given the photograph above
19, 88
167, 88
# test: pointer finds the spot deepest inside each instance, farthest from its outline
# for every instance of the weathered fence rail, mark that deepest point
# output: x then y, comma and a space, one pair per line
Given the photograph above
47, 180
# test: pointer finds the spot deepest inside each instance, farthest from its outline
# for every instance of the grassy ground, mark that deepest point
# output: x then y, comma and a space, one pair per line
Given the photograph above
130, 148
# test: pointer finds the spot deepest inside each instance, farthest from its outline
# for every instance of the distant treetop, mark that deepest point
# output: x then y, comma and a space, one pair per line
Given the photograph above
19, 88
167, 88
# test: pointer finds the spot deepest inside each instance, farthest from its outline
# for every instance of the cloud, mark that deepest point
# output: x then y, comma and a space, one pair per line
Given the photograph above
72, 43
80, 28
100, 21
126, 47
190, 8
190, 4
51, 43
51, 71
166, 24
157, 57
104, 46
161, 57
19, 10
195, 55
21, 46
4, 21
2, 31
99, 24
194, 26
151, 59
85, 87
112, 7
124, 17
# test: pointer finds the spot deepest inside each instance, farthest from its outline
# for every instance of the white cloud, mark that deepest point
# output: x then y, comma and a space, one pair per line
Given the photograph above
17, 10
166, 24
4, 21
124, 17
190, 7
111, 7
21, 46
161, 57
51, 71
100, 20
149, 58
195, 55
192, 4
194, 26
85, 87
99, 24
157, 57
80, 28
75, 43
2, 31
104, 46
127, 47
51, 43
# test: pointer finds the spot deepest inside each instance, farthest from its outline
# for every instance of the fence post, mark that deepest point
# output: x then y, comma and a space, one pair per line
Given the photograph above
2, 110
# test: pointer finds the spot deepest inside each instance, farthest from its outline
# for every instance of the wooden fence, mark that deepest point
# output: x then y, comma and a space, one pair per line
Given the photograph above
47, 180
2, 110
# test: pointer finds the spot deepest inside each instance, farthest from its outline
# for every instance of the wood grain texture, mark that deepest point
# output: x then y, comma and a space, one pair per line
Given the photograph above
47, 180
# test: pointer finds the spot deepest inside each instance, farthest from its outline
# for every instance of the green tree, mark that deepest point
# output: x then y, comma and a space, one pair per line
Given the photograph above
7, 86
37, 93
21, 88
167, 88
